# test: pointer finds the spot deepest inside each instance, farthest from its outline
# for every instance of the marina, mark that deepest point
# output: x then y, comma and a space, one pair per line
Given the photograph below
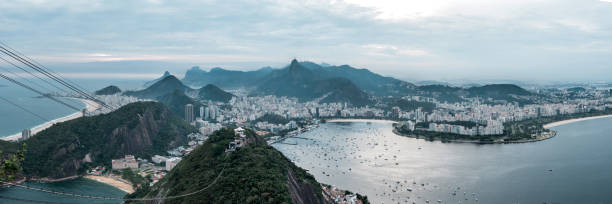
365, 156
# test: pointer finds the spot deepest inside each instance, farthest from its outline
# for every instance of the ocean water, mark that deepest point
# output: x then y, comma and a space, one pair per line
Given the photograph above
573, 167
76, 186
13, 120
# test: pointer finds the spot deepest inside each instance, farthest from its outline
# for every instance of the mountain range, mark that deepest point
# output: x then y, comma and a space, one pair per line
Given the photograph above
309, 81
364, 79
326, 83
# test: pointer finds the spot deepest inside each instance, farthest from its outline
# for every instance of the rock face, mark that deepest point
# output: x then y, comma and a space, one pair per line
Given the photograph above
302, 193
141, 129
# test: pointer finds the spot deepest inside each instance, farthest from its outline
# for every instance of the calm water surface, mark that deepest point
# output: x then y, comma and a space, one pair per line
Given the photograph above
14, 120
77, 186
573, 167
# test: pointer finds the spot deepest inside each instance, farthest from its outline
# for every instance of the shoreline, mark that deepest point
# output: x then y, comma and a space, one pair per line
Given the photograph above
89, 105
115, 182
46, 179
340, 120
564, 122
112, 181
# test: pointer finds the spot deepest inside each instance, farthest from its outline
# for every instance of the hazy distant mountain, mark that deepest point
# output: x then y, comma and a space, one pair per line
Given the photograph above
341, 90
301, 79
149, 83
298, 81
432, 82
442, 93
109, 90
494, 90
227, 79
160, 88
455, 94
366, 80
576, 89
438, 88
214, 93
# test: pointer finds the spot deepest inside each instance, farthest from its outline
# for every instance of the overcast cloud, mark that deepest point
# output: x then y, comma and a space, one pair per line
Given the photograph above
549, 40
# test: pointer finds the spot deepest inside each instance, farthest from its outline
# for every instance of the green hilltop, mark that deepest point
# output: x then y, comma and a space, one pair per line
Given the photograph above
255, 173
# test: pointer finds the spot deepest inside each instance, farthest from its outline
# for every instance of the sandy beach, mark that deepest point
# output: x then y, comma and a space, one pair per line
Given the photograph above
89, 105
115, 182
563, 122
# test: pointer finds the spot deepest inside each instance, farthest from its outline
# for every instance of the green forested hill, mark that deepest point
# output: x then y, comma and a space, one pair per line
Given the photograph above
162, 87
256, 173
142, 129
272, 118
109, 90
214, 93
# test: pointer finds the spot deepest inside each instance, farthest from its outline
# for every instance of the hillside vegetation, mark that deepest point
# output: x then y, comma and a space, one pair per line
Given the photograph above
272, 118
68, 148
214, 93
256, 173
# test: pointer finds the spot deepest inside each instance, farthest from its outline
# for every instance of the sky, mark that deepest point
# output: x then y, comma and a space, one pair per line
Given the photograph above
529, 40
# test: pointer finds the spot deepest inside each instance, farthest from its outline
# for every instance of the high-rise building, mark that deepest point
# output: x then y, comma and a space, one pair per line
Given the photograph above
213, 112
172, 162
189, 117
206, 113
202, 112
25, 134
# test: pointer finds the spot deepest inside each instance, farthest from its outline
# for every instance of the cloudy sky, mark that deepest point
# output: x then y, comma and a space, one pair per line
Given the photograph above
536, 40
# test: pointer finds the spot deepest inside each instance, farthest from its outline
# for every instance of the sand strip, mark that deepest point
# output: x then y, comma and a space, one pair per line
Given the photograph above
115, 182
563, 122
90, 106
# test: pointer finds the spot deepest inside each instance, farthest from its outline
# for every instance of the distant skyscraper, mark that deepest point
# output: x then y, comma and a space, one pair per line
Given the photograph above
25, 134
202, 112
189, 117
206, 113
213, 112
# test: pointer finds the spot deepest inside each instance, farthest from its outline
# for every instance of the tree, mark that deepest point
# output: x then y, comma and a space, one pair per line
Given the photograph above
10, 166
